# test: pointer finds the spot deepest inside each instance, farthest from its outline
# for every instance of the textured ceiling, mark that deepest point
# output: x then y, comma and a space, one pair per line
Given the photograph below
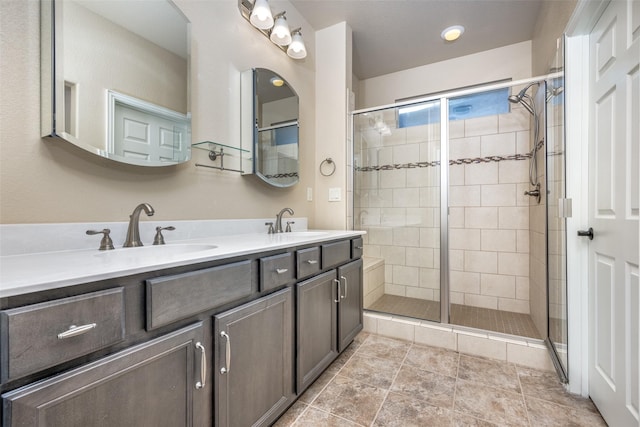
394, 35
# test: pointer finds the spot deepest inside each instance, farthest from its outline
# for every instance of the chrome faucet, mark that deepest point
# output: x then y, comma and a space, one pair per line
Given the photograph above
279, 218
133, 232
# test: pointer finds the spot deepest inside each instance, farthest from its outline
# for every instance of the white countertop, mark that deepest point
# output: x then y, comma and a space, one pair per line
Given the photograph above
34, 272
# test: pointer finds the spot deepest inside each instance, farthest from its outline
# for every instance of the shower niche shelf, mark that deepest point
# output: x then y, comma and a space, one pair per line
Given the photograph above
218, 152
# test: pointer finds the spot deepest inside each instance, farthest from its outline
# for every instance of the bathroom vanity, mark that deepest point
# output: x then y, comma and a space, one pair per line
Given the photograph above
228, 332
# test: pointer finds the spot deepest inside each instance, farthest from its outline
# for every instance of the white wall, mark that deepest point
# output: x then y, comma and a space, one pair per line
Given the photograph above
509, 62
52, 181
333, 78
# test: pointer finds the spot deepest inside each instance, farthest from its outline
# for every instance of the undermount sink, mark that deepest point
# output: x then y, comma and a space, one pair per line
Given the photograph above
157, 251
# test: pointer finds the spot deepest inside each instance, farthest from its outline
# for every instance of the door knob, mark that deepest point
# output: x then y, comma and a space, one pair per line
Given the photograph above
586, 233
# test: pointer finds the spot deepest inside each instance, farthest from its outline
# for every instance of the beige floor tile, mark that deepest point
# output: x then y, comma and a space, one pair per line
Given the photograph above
433, 387
428, 386
498, 406
404, 411
546, 386
318, 385
316, 418
490, 372
291, 415
463, 420
434, 359
543, 414
371, 370
384, 348
351, 400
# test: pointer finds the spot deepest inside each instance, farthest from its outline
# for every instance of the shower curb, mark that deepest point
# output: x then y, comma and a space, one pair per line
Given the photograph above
529, 352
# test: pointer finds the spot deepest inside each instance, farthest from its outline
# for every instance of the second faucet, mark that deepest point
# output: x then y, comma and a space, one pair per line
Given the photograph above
279, 219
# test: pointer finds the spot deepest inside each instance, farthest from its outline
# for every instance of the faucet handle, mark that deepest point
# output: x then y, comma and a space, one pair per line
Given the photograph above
159, 239
271, 229
106, 243
288, 229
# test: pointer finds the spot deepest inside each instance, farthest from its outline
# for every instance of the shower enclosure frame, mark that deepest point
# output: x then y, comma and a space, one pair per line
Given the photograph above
443, 98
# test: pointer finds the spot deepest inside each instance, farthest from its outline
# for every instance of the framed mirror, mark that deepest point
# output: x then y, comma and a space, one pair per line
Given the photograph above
270, 126
115, 79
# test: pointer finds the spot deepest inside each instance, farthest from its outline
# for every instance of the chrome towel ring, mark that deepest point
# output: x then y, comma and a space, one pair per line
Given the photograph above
331, 166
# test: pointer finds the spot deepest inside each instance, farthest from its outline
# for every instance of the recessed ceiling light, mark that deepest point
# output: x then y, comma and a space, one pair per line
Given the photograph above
277, 81
452, 33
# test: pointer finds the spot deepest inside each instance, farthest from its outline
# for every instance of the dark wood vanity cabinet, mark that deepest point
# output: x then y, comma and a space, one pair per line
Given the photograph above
253, 361
328, 319
225, 343
152, 384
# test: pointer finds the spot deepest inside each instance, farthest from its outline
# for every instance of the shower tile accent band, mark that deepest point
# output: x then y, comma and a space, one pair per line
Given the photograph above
465, 161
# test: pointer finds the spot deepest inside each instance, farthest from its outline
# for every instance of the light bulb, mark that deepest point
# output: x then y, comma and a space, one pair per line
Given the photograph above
280, 34
261, 16
297, 49
452, 33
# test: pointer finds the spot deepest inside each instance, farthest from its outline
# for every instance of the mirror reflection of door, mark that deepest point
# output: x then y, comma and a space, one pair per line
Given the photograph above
277, 130
136, 48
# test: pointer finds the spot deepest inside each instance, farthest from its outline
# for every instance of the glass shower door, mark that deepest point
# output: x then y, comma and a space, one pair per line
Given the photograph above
397, 201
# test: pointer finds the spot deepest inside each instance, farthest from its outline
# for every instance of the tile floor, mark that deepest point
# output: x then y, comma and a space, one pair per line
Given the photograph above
463, 315
379, 381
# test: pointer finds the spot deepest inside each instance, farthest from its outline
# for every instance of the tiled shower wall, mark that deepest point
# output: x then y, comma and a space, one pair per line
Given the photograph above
489, 214
488, 218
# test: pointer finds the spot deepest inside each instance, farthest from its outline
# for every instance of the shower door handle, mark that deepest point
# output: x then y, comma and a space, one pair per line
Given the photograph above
586, 233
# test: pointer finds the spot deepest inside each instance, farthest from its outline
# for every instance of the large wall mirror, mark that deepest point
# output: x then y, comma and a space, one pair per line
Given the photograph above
115, 78
270, 126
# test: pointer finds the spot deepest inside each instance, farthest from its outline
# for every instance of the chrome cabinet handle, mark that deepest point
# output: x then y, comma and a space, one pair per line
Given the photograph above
227, 369
203, 367
338, 282
346, 287
312, 261
358, 247
281, 270
74, 331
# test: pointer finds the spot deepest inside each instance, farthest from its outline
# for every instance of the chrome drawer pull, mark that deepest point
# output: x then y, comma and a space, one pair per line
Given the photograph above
226, 370
76, 330
338, 282
312, 261
346, 286
358, 247
203, 367
281, 270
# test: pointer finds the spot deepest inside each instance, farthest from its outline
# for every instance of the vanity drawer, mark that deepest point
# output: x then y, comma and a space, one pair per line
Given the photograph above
180, 296
276, 270
307, 262
336, 253
42, 335
356, 248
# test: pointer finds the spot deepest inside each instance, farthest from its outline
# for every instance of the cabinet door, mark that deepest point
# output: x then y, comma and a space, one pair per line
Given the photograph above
350, 306
254, 361
317, 326
152, 384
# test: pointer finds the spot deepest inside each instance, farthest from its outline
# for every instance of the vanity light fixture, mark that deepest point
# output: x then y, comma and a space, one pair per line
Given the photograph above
452, 33
275, 28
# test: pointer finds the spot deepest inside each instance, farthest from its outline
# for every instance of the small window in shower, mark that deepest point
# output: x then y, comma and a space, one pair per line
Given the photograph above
461, 108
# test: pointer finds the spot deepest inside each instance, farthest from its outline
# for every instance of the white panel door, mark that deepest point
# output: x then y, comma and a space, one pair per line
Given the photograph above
614, 299
147, 136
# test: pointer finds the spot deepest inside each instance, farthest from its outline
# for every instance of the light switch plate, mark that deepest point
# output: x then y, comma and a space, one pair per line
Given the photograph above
335, 194
309, 194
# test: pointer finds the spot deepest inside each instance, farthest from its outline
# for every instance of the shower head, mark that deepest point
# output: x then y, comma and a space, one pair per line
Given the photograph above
518, 98
521, 98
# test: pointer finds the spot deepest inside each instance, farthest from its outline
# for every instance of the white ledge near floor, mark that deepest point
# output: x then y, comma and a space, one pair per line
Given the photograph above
521, 351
